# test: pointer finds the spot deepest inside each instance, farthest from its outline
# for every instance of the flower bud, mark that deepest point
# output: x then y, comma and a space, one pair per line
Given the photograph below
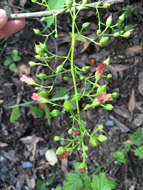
121, 19
85, 25
108, 107
109, 21
103, 41
68, 105
57, 138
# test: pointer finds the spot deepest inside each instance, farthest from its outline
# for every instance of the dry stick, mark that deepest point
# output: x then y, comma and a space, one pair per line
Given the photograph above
57, 12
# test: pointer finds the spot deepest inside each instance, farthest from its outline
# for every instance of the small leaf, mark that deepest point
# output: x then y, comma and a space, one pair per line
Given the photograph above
41, 185
101, 89
139, 152
15, 114
50, 180
7, 62
137, 138
120, 156
102, 182
12, 67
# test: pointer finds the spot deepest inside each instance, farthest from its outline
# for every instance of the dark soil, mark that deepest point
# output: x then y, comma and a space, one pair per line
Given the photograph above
126, 68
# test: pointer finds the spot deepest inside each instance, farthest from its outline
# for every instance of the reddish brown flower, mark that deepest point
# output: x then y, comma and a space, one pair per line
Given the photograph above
76, 133
100, 69
82, 170
103, 97
65, 154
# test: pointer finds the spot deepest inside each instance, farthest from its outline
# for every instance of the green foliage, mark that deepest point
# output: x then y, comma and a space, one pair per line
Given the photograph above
37, 111
42, 185
139, 152
78, 181
137, 138
102, 182
12, 60
15, 114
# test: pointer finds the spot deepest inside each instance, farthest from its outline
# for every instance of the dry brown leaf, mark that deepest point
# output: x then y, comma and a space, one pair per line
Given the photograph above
85, 46
132, 102
23, 69
135, 48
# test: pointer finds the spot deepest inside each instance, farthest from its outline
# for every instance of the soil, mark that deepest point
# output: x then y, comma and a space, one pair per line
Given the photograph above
22, 170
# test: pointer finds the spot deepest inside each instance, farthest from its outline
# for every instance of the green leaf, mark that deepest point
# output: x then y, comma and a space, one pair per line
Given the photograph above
43, 93
102, 182
60, 91
15, 55
54, 5
48, 115
15, 114
50, 180
137, 138
68, 105
55, 113
86, 182
72, 182
120, 156
139, 152
12, 67
7, 62
37, 111
41, 185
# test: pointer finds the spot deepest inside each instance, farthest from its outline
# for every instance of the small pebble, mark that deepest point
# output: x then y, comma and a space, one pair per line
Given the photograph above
22, 111
3, 159
109, 123
4, 170
26, 164
116, 162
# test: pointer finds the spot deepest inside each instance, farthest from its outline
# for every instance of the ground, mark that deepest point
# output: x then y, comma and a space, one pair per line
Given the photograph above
127, 71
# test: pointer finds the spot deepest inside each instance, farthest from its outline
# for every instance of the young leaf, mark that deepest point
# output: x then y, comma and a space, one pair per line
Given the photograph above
102, 182
7, 62
73, 182
120, 156
12, 67
137, 139
41, 185
15, 114
139, 152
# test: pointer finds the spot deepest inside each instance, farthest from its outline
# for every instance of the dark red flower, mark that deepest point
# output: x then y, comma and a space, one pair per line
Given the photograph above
100, 68
76, 133
82, 170
103, 97
65, 154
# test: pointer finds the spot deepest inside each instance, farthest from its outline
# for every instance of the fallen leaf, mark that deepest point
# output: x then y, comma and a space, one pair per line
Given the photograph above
51, 157
133, 50
85, 46
23, 69
132, 102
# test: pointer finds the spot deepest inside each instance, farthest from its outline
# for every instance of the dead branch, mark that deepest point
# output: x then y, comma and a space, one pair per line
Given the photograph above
57, 12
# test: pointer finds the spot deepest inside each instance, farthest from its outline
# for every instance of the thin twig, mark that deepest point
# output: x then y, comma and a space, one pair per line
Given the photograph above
57, 12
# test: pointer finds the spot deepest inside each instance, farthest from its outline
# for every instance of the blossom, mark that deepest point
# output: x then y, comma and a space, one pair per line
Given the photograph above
64, 155
100, 68
26, 79
103, 97
76, 133
37, 97
82, 170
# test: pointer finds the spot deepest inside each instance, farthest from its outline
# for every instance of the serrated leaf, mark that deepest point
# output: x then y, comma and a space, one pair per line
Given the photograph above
72, 182
102, 182
139, 152
137, 139
120, 156
15, 114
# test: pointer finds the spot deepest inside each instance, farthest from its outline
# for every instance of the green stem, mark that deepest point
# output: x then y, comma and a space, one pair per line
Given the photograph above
72, 59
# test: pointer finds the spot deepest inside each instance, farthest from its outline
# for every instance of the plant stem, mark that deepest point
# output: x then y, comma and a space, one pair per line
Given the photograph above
72, 59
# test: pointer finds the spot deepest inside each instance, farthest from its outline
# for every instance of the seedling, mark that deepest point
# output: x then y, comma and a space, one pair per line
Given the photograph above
12, 60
